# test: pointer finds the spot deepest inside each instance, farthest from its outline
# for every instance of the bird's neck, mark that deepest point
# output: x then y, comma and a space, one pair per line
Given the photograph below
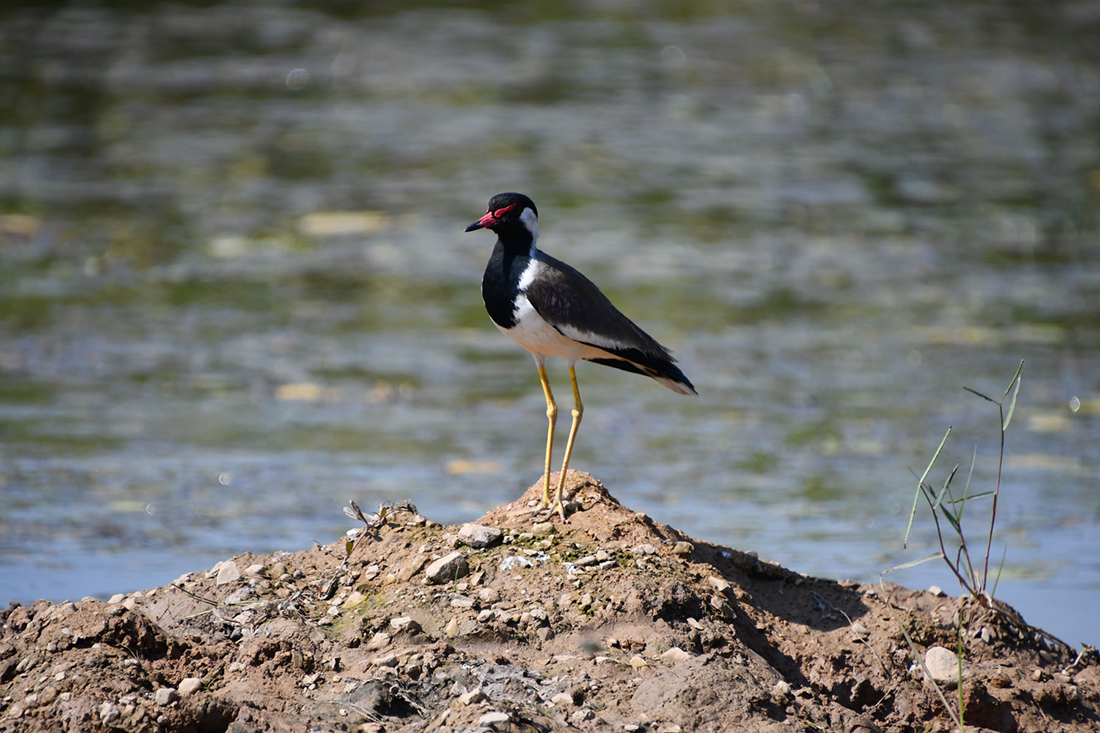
511, 257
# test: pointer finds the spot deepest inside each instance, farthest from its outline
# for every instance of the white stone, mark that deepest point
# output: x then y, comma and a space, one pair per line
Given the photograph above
165, 696
494, 719
943, 665
447, 568
479, 535
228, 573
675, 655
189, 686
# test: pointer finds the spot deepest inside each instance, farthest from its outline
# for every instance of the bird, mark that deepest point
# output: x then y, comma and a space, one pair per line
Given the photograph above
551, 309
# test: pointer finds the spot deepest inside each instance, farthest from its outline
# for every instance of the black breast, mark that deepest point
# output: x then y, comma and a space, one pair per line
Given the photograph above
500, 284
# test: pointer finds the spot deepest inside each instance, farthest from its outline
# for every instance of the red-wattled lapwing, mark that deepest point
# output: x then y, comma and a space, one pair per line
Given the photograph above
551, 309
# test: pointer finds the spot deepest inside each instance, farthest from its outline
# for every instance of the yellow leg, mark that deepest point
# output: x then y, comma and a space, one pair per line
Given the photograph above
578, 412
552, 416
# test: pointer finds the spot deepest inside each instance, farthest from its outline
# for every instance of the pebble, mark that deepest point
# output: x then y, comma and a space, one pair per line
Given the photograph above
719, 584
541, 528
447, 568
109, 714
485, 615
165, 696
385, 660
117, 598
255, 569
472, 697
48, 695
189, 686
488, 595
460, 601
645, 549
494, 719
936, 591
781, 692
586, 560
683, 549
582, 715
637, 662
859, 631
228, 573
379, 640
943, 665
562, 699
675, 655
405, 623
479, 535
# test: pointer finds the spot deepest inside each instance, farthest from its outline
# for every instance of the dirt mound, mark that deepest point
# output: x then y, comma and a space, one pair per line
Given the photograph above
612, 621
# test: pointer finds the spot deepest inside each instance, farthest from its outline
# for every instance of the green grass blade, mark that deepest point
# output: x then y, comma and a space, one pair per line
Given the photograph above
914, 563
916, 496
997, 577
1015, 380
974, 391
1012, 404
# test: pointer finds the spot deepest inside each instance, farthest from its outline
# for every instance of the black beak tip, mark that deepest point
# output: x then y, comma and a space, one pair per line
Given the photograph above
473, 227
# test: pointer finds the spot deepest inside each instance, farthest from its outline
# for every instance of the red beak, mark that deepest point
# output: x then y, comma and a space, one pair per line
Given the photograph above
484, 222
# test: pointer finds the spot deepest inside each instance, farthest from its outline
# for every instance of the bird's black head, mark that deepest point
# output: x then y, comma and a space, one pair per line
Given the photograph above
509, 213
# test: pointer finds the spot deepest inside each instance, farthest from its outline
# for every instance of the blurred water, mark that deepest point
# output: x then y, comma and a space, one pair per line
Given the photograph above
235, 292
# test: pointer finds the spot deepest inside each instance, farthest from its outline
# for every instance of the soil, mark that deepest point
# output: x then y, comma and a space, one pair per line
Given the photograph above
610, 622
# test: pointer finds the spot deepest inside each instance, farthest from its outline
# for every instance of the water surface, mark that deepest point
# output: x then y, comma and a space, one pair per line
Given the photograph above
235, 291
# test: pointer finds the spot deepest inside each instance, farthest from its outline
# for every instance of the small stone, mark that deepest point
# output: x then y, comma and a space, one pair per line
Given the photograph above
228, 573
496, 719
278, 570
48, 695
447, 568
51, 647
683, 549
602, 556
943, 666
586, 560
485, 615
380, 640
460, 601
255, 569
30, 701
544, 633
541, 528
117, 598
644, 549
562, 699
719, 584
109, 713
582, 715
165, 696
488, 595
936, 591
404, 623
781, 693
859, 631
637, 662
385, 660
479, 535
189, 686
406, 573
675, 655
472, 697
369, 573
451, 629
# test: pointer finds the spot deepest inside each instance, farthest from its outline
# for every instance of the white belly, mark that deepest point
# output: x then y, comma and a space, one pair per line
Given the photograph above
541, 339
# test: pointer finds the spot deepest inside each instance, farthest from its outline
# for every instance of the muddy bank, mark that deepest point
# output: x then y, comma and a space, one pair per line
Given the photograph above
613, 621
